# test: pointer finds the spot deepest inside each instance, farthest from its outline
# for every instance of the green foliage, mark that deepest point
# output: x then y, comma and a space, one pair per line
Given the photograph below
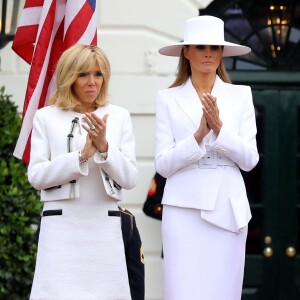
19, 210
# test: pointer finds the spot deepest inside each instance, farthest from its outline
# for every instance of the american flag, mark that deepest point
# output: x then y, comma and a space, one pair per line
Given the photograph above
45, 30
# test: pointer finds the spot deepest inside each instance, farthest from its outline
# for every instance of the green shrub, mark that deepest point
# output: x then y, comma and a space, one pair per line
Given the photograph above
19, 210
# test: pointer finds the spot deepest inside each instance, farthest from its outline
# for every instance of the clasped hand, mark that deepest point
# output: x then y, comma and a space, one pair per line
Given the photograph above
96, 137
210, 119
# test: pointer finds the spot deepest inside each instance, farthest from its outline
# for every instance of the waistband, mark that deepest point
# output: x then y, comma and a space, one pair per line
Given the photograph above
211, 160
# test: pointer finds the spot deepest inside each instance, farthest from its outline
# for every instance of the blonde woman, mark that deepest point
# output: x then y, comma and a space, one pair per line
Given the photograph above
82, 156
205, 133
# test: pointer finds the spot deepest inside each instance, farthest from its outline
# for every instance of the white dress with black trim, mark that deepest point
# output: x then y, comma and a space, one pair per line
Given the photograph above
81, 251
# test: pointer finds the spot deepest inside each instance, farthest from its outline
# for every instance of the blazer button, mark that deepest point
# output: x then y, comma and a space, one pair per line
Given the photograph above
194, 158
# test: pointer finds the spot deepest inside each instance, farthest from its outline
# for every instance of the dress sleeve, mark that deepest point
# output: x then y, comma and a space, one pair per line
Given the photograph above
241, 146
120, 163
44, 171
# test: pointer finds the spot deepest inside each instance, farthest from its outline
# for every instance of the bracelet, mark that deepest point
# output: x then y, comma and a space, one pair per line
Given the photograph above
103, 154
81, 158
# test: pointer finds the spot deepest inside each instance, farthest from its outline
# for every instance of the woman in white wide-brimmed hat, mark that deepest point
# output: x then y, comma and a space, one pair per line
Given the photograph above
205, 133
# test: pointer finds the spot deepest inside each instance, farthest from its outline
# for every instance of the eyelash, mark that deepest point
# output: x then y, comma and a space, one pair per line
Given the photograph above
97, 74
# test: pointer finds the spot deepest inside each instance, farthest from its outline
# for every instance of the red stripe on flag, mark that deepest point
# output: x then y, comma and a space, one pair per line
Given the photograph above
94, 41
74, 32
33, 3
23, 42
26, 153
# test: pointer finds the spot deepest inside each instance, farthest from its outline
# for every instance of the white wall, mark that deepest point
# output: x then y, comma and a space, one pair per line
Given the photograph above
130, 32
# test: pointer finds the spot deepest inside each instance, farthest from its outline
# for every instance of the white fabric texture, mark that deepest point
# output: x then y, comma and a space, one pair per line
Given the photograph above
201, 261
206, 210
178, 116
81, 252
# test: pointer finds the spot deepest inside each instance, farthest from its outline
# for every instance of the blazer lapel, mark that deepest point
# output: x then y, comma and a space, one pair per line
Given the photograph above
216, 92
220, 92
189, 102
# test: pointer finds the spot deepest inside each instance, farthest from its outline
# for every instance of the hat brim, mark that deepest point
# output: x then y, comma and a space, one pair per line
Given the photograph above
230, 49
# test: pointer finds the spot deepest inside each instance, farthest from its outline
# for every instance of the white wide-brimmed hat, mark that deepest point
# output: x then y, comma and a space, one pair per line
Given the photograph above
205, 30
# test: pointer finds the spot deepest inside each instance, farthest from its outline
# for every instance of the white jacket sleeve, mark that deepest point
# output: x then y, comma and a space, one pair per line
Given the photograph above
120, 164
241, 147
43, 170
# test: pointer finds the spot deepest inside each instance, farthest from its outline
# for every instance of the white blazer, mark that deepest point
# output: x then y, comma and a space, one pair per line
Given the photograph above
219, 192
51, 165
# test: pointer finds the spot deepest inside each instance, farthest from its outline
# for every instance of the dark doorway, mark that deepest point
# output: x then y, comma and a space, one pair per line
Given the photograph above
272, 269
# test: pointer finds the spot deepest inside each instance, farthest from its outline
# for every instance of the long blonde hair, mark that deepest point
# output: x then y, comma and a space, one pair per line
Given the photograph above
75, 60
184, 71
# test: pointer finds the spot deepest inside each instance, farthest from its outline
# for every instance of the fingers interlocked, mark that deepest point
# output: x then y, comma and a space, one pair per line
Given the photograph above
92, 127
209, 102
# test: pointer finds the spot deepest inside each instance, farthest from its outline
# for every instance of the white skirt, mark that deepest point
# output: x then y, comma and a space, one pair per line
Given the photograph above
81, 252
201, 261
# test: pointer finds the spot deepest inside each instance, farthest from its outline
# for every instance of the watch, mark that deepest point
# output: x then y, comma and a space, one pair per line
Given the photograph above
81, 158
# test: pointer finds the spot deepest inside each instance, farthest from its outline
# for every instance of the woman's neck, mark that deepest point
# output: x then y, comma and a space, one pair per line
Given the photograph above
203, 83
82, 109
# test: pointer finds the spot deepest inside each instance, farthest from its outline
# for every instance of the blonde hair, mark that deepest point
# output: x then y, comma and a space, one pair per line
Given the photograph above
184, 71
74, 61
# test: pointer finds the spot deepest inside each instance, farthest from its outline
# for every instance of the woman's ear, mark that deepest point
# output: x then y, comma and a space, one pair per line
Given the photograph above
186, 52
